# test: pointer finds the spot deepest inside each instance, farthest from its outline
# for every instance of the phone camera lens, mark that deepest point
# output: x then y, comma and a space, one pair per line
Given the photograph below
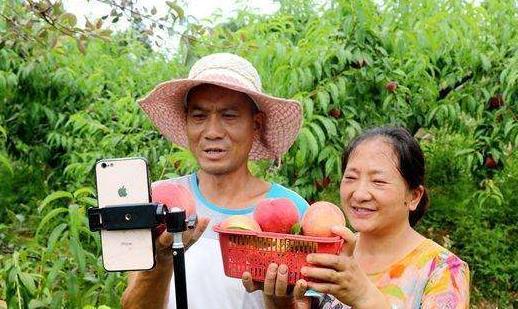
104, 165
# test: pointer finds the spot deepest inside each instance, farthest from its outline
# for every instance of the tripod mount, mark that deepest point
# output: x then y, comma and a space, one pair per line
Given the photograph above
149, 216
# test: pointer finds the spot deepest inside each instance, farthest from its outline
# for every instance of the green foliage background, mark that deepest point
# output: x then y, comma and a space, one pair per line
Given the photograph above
62, 108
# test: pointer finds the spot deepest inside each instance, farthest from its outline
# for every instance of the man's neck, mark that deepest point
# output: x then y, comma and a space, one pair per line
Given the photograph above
237, 189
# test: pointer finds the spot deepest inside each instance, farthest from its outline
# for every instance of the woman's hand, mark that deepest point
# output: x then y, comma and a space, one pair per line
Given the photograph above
342, 277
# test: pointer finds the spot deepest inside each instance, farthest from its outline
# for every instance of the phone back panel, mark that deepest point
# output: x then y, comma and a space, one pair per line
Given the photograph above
124, 181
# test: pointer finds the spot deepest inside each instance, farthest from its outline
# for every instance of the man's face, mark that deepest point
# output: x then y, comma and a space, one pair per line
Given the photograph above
221, 126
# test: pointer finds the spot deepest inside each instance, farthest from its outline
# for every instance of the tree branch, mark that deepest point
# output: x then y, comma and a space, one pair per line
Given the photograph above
445, 91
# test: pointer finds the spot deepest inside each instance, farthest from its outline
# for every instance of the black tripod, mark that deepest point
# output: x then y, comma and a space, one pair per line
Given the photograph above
146, 216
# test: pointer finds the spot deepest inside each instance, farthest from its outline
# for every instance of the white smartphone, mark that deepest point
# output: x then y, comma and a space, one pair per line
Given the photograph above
124, 181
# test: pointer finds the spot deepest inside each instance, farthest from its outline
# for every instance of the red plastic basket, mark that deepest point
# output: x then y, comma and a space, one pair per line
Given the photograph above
254, 251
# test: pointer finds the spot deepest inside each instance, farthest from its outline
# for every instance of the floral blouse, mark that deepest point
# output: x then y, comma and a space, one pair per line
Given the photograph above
428, 277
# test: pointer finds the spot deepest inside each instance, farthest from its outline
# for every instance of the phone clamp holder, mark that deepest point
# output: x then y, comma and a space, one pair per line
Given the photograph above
148, 216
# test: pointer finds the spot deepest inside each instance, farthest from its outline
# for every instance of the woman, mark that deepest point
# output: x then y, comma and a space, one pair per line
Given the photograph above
387, 264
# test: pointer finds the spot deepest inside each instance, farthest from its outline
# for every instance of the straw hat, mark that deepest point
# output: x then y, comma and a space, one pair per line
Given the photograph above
165, 105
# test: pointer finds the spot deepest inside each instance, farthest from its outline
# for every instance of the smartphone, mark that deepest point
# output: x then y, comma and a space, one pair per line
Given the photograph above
124, 181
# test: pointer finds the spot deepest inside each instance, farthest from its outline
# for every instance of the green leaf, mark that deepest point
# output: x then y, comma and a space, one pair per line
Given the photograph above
4, 161
317, 130
342, 88
77, 252
57, 267
54, 236
68, 19
399, 72
53, 213
306, 76
342, 56
36, 303
431, 115
311, 141
510, 125
325, 153
14, 274
355, 125
3, 83
84, 191
300, 157
178, 9
14, 217
323, 100
75, 220
88, 201
464, 152
307, 104
296, 229
486, 63
335, 94
318, 69
330, 164
3, 131
54, 197
503, 76
27, 281
328, 124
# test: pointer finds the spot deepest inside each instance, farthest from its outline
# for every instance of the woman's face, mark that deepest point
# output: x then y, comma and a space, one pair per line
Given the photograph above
374, 195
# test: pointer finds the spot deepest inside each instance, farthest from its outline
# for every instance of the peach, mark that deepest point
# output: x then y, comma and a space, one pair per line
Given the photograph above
240, 222
276, 215
319, 219
174, 195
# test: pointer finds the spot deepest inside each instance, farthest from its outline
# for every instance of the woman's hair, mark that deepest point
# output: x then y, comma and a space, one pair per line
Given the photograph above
411, 164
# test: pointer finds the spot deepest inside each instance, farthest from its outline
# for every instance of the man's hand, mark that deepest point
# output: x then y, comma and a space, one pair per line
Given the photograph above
275, 282
190, 236
150, 289
275, 286
277, 293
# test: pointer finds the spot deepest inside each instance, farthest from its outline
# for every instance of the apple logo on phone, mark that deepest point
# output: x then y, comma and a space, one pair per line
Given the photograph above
122, 191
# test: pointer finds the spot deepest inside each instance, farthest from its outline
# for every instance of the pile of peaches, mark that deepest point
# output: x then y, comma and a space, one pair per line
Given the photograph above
280, 215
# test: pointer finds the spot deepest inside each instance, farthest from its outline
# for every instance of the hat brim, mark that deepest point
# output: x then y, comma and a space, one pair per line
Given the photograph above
165, 107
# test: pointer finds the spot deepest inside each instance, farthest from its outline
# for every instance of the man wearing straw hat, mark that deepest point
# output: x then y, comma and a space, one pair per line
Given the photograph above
221, 114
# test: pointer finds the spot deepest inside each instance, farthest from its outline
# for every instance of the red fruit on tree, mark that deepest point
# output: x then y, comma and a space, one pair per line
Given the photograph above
359, 64
490, 162
322, 184
335, 113
326, 181
496, 101
391, 86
